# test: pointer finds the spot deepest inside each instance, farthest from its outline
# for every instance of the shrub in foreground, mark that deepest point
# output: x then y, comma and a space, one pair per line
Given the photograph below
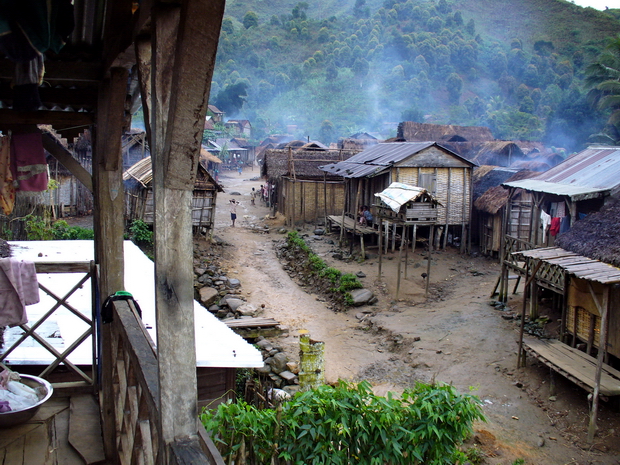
348, 424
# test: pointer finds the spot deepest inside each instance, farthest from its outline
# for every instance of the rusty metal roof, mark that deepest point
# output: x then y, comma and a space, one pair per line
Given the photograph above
380, 157
593, 172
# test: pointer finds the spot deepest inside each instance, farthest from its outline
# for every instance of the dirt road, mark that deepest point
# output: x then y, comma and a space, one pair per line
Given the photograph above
454, 336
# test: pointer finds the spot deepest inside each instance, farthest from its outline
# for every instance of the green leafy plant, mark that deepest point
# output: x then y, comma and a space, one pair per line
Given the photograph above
62, 231
140, 232
349, 424
38, 229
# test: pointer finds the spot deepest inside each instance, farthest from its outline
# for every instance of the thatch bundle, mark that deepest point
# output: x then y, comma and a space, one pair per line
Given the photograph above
596, 236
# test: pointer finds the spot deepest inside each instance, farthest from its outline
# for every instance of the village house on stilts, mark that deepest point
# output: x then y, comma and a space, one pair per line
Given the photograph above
586, 261
446, 176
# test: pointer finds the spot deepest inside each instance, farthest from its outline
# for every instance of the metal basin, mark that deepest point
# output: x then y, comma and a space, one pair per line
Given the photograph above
44, 392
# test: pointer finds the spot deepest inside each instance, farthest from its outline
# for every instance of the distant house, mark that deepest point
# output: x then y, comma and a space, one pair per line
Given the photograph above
446, 175
358, 141
215, 113
241, 127
552, 203
490, 200
572, 189
138, 182
463, 140
298, 188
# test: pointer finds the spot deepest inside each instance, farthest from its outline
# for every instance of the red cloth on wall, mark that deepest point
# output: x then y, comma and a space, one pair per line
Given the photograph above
555, 226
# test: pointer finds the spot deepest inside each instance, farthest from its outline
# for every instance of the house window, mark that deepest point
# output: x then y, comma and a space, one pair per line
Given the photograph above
427, 181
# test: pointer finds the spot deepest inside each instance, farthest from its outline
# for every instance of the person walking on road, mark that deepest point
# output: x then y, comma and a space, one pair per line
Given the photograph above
233, 211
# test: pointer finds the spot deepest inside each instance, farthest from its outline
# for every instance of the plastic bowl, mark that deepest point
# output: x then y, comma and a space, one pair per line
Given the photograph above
16, 417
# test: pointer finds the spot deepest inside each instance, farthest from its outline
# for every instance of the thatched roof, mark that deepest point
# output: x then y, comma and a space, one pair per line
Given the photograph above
596, 236
488, 176
141, 174
301, 163
496, 197
411, 131
532, 165
499, 153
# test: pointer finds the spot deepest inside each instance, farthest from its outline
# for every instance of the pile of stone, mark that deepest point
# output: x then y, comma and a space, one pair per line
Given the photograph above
277, 367
218, 292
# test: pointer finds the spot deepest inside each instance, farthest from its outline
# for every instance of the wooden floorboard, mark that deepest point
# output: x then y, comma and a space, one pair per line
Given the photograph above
85, 429
575, 363
349, 224
44, 439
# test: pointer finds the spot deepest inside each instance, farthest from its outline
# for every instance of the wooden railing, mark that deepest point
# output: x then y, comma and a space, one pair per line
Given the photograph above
131, 399
87, 271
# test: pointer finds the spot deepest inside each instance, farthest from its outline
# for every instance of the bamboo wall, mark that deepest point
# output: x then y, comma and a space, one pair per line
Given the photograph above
582, 316
452, 190
304, 201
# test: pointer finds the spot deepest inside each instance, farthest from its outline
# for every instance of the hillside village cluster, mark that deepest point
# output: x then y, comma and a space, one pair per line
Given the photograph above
549, 217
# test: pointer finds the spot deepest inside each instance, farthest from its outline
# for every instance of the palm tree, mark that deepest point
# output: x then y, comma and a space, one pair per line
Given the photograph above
603, 79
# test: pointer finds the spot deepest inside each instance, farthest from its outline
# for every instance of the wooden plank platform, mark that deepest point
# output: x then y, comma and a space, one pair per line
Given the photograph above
251, 323
349, 224
573, 364
45, 438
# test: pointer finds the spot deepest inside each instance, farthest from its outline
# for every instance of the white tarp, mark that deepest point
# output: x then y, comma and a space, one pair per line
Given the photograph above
398, 194
216, 344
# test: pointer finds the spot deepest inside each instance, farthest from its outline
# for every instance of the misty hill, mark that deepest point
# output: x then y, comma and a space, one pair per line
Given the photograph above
333, 68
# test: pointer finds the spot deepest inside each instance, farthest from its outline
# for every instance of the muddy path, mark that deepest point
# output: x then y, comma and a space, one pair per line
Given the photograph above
453, 336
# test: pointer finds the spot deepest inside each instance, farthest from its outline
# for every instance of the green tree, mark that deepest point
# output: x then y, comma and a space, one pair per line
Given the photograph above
454, 85
231, 98
603, 79
227, 26
250, 20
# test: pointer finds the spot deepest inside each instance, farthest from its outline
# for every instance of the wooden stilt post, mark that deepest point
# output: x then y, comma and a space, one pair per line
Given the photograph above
380, 231
394, 237
406, 251
428, 260
520, 355
355, 211
414, 238
603, 308
400, 259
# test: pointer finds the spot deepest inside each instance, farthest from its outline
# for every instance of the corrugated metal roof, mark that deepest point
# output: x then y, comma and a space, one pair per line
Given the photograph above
380, 157
589, 173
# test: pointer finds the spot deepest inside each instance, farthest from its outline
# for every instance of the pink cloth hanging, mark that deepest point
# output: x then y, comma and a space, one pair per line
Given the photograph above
18, 287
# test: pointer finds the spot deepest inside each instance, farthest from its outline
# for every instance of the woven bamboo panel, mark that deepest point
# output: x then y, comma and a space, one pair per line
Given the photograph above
309, 199
583, 324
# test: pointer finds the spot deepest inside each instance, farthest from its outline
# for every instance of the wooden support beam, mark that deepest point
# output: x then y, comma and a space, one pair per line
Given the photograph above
109, 226
603, 308
61, 154
58, 119
183, 50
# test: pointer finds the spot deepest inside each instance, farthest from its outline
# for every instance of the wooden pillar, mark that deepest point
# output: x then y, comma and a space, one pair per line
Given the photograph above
356, 208
109, 226
603, 308
380, 231
184, 44
428, 260
448, 205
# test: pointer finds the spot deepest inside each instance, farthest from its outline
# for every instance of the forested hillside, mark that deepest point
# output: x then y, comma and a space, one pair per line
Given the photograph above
328, 69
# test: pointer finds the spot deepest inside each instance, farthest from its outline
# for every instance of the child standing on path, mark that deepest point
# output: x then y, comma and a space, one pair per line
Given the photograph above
233, 211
